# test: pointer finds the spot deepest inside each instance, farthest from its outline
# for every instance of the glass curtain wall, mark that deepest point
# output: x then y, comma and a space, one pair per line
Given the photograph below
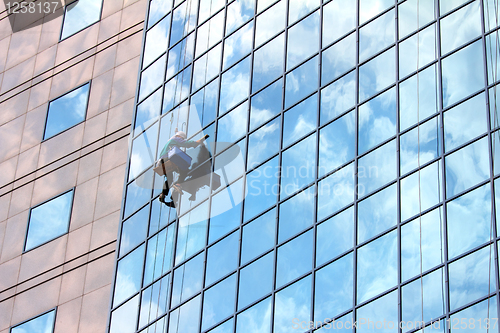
364, 192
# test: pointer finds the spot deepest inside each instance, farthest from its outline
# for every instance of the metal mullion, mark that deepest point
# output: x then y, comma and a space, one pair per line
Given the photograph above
355, 180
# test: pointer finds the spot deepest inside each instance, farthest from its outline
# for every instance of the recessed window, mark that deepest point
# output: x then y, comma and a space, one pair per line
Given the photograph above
67, 111
49, 220
80, 14
43, 323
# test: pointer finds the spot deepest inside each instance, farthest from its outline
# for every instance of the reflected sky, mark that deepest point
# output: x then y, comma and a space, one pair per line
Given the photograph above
218, 302
479, 313
66, 111
298, 166
238, 12
300, 8
377, 168
124, 319
336, 191
264, 143
41, 324
192, 232
424, 43
339, 17
292, 302
376, 35
377, 74
300, 120
147, 111
294, 258
268, 63
79, 15
335, 236
256, 319
156, 41
208, 8
188, 279
152, 77
222, 258
377, 213
258, 236
154, 301
407, 15
266, 104
338, 58
159, 254
157, 9
184, 20
186, 319
49, 220
460, 27
143, 152
233, 125
206, 67
209, 33
296, 214
270, 23
301, 81
238, 45
234, 86
384, 308
338, 97
370, 8
180, 55
128, 275
303, 40
134, 230
256, 280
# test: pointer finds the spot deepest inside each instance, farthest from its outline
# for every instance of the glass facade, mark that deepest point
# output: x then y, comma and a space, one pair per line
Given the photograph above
355, 143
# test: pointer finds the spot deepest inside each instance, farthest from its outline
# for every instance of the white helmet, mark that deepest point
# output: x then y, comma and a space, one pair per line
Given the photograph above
181, 134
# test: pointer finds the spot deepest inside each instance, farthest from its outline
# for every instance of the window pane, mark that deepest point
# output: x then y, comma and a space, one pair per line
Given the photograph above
79, 15
270, 23
338, 97
377, 74
188, 279
156, 41
467, 167
300, 120
377, 120
262, 186
226, 327
376, 35
66, 111
143, 151
159, 254
469, 278
154, 301
43, 323
298, 165
384, 308
490, 14
424, 43
124, 319
377, 213
303, 40
465, 122
207, 67
129, 275
299, 8
186, 318
205, 103
339, 17
49, 220
460, 27
266, 104
333, 288
294, 258
372, 281
180, 55
338, 58
421, 190
256, 280
152, 77
192, 232
238, 45
258, 236
209, 33
469, 221
147, 111
335, 236
235, 85
255, 319
134, 230
447, 5
296, 214
336, 191
233, 125
484, 322
184, 20
177, 89
238, 12
415, 108
292, 302
218, 302
370, 8
138, 192
301, 81
268, 63
377, 168
157, 10
208, 8
222, 258
408, 14
264, 142
463, 73
431, 226
431, 299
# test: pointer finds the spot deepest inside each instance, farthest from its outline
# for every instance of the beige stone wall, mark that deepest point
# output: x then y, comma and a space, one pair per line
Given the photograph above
74, 271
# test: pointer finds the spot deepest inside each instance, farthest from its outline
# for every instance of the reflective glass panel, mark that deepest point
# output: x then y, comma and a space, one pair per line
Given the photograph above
134, 230
264, 143
376, 35
336, 191
233, 125
207, 67
235, 85
208, 8
186, 318
209, 33
204, 102
156, 41
188, 279
430, 253
465, 122
370, 8
238, 12
469, 221
159, 254
66, 111
462, 73
478, 315
377, 213
177, 89
492, 52
258, 236
333, 288
262, 187
147, 111
292, 302
423, 43
49, 220
339, 17
447, 5
303, 40
335, 236
298, 166
152, 77
377, 168
266, 104
226, 327
180, 55
270, 23
296, 214
384, 308
467, 167
192, 232
256, 280
128, 275
255, 319
143, 152
79, 15
408, 15
300, 120
40, 324
184, 20
469, 277
154, 301
138, 192
421, 190
338, 58
460, 27
377, 74
294, 258
124, 319
377, 120
490, 14
268, 63
300, 8
222, 258
372, 280
301, 81
338, 97
238, 45
218, 302
157, 9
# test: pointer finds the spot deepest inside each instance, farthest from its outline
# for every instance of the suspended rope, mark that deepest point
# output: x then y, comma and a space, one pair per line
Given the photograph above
206, 67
